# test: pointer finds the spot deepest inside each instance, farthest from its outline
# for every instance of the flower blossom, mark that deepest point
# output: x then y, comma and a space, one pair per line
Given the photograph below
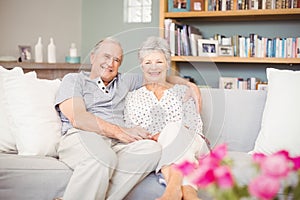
264, 187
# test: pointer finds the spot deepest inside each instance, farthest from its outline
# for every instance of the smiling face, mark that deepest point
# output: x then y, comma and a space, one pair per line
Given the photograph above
106, 61
155, 67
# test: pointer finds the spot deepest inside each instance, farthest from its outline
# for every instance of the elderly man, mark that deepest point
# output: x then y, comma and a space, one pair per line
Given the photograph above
107, 159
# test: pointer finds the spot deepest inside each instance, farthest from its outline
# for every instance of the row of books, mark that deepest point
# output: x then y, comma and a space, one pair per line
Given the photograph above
184, 41
223, 5
242, 84
255, 45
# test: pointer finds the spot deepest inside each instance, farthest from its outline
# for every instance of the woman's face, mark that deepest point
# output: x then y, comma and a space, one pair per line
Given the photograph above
155, 67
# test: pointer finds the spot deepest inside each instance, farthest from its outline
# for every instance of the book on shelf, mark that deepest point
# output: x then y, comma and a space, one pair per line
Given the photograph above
181, 38
238, 83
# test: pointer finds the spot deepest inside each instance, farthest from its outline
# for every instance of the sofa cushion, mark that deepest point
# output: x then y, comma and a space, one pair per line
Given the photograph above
33, 119
280, 124
232, 117
32, 177
7, 141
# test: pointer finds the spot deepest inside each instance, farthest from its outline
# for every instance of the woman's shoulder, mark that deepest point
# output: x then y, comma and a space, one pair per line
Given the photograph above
179, 88
137, 92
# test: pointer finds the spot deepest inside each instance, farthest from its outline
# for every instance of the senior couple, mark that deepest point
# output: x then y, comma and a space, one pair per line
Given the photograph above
117, 128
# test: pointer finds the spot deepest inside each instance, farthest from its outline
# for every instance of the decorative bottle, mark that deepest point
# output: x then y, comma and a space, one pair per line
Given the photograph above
39, 51
73, 50
51, 52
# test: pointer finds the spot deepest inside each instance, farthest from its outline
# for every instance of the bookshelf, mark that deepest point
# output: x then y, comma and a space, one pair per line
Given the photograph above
229, 16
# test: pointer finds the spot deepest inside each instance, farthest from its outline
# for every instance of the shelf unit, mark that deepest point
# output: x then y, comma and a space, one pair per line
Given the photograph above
47, 70
226, 16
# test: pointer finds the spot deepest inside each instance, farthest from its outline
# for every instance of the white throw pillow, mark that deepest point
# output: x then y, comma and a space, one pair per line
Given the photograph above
32, 116
280, 127
7, 141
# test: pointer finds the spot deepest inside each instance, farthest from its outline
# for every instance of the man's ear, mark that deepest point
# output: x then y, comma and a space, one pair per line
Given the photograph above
92, 58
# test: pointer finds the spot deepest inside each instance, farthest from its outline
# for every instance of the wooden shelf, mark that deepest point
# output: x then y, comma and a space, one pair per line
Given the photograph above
32, 65
238, 15
47, 70
236, 60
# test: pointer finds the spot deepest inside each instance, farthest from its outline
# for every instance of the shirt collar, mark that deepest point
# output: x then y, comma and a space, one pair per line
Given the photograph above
98, 81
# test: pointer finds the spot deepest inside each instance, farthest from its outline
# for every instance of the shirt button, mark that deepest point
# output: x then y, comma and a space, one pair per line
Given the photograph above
99, 82
103, 88
106, 91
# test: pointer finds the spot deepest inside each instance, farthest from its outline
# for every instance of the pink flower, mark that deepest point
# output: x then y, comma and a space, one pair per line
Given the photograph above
258, 157
219, 152
224, 177
276, 165
209, 161
296, 162
264, 187
204, 176
185, 167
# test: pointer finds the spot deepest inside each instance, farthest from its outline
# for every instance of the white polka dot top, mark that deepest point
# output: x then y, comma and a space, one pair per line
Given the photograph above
142, 108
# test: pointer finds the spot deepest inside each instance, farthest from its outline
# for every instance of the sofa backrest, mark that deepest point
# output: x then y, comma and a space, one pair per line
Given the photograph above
232, 117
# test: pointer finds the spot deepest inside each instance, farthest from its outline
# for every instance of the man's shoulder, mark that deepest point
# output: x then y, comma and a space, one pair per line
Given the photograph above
129, 75
73, 76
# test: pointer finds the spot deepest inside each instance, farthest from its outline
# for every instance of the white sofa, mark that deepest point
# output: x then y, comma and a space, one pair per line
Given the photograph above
230, 116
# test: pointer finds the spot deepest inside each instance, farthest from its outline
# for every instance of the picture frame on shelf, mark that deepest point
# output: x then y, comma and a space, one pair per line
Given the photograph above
179, 5
25, 53
228, 83
208, 48
197, 5
225, 50
262, 86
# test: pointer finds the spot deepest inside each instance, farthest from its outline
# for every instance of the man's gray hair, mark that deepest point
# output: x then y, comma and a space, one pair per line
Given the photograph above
109, 39
154, 43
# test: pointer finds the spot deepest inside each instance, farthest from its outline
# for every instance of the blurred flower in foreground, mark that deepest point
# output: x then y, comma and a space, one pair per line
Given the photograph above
213, 173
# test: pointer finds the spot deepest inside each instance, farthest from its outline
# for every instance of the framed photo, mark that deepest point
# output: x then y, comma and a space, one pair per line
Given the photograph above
179, 5
262, 86
225, 50
197, 5
228, 83
25, 53
208, 47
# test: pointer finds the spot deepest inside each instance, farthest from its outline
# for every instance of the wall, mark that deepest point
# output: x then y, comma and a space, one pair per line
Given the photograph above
106, 20
22, 22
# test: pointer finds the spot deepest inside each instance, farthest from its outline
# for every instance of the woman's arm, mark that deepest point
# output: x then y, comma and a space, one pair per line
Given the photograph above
193, 91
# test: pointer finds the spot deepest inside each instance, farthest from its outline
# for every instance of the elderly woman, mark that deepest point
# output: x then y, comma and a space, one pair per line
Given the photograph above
160, 108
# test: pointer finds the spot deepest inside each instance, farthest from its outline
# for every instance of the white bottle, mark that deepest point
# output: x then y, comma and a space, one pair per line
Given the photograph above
51, 52
73, 50
39, 51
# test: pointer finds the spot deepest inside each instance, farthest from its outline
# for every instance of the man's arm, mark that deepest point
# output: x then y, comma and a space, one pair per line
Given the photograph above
74, 109
194, 91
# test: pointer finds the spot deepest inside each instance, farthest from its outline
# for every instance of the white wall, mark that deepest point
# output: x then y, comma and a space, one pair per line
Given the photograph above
23, 21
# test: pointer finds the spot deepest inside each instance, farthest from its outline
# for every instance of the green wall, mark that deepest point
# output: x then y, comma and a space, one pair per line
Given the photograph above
100, 20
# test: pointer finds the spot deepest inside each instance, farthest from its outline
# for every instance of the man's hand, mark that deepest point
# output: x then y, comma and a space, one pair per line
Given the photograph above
137, 132
194, 92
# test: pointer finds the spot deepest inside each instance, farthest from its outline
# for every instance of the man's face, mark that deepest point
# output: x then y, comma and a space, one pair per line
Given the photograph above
106, 61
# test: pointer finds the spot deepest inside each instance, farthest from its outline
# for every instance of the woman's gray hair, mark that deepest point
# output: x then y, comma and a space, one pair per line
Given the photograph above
152, 44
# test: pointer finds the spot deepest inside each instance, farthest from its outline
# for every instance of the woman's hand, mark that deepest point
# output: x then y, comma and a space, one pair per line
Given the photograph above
155, 137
